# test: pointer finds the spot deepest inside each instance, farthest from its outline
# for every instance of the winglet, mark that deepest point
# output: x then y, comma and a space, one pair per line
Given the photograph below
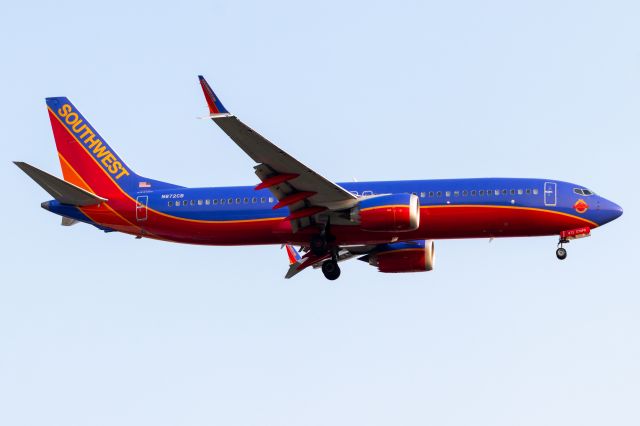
215, 106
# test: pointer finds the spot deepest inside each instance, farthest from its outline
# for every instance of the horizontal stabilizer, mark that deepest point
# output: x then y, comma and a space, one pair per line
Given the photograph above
63, 191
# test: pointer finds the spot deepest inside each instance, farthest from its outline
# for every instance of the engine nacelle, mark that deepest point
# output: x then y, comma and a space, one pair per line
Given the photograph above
412, 256
388, 213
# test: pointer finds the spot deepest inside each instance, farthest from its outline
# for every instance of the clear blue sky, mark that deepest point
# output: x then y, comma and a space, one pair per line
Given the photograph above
103, 329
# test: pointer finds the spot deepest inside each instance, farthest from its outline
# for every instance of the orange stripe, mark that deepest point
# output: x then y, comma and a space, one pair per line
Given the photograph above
385, 207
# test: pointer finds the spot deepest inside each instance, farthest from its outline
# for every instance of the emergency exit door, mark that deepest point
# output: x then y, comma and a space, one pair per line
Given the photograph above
141, 207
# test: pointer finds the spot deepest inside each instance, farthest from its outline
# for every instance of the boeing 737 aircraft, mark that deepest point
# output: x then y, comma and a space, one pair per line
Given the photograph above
390, 225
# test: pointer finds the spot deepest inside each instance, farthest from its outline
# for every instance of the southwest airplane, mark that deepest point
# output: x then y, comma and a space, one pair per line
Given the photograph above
390, 225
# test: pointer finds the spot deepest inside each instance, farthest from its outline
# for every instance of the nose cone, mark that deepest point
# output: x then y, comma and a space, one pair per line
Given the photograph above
45, 205
616, 210
611, 210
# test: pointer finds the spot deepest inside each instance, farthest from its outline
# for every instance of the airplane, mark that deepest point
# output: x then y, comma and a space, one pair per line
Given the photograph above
390, 225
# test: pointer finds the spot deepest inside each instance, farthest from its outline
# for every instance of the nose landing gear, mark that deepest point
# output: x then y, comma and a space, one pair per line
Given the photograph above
561, 253
566, 236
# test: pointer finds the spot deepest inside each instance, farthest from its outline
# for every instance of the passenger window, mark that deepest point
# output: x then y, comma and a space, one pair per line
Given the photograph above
430, 193
473, 193
246, 200
447, 194
222, 201
170, 203
465, 193
254, 200
528, 191
504, 192
520, 192
215, 201
496, 192
512, 192
439, 193
423, 194
192, 202
481, 192
199, 202
263, 199
238, 201
207, 201
271, 199
230, 201
535, 191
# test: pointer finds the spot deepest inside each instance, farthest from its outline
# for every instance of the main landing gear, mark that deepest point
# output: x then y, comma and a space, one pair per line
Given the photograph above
561, 252
330, 269
320, 245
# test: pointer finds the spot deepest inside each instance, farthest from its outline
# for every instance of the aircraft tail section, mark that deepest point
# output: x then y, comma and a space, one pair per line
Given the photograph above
86, 159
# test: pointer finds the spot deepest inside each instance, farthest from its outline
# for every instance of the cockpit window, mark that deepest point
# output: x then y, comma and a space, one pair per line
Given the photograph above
584, 192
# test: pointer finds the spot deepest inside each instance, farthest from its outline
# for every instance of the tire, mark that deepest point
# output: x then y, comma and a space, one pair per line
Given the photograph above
318, 245
561, 253
331, 270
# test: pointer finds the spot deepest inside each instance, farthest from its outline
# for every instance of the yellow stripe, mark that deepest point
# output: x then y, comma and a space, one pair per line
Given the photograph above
282, 217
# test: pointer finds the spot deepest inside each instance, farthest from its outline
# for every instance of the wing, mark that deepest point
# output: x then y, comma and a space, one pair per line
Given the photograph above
304, 192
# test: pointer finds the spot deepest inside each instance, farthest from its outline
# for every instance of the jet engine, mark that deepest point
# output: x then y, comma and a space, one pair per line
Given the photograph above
388, 213
410, 256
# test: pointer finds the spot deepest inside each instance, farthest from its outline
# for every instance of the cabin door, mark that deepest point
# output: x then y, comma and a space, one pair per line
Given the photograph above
141, 207
550, 194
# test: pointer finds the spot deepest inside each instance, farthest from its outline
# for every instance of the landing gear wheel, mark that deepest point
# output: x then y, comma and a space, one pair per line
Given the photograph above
331, 270
561, 253
318, 245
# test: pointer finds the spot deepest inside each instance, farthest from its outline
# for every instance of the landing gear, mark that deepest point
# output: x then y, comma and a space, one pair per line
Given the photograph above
320, 243
330, 269
561, 252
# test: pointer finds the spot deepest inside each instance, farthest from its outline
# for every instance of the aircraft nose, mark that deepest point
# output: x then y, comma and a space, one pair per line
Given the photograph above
613, 211
616, 210
45, 205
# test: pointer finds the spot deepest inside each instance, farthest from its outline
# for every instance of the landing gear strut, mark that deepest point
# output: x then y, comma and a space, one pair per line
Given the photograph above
319, 244
561, 252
